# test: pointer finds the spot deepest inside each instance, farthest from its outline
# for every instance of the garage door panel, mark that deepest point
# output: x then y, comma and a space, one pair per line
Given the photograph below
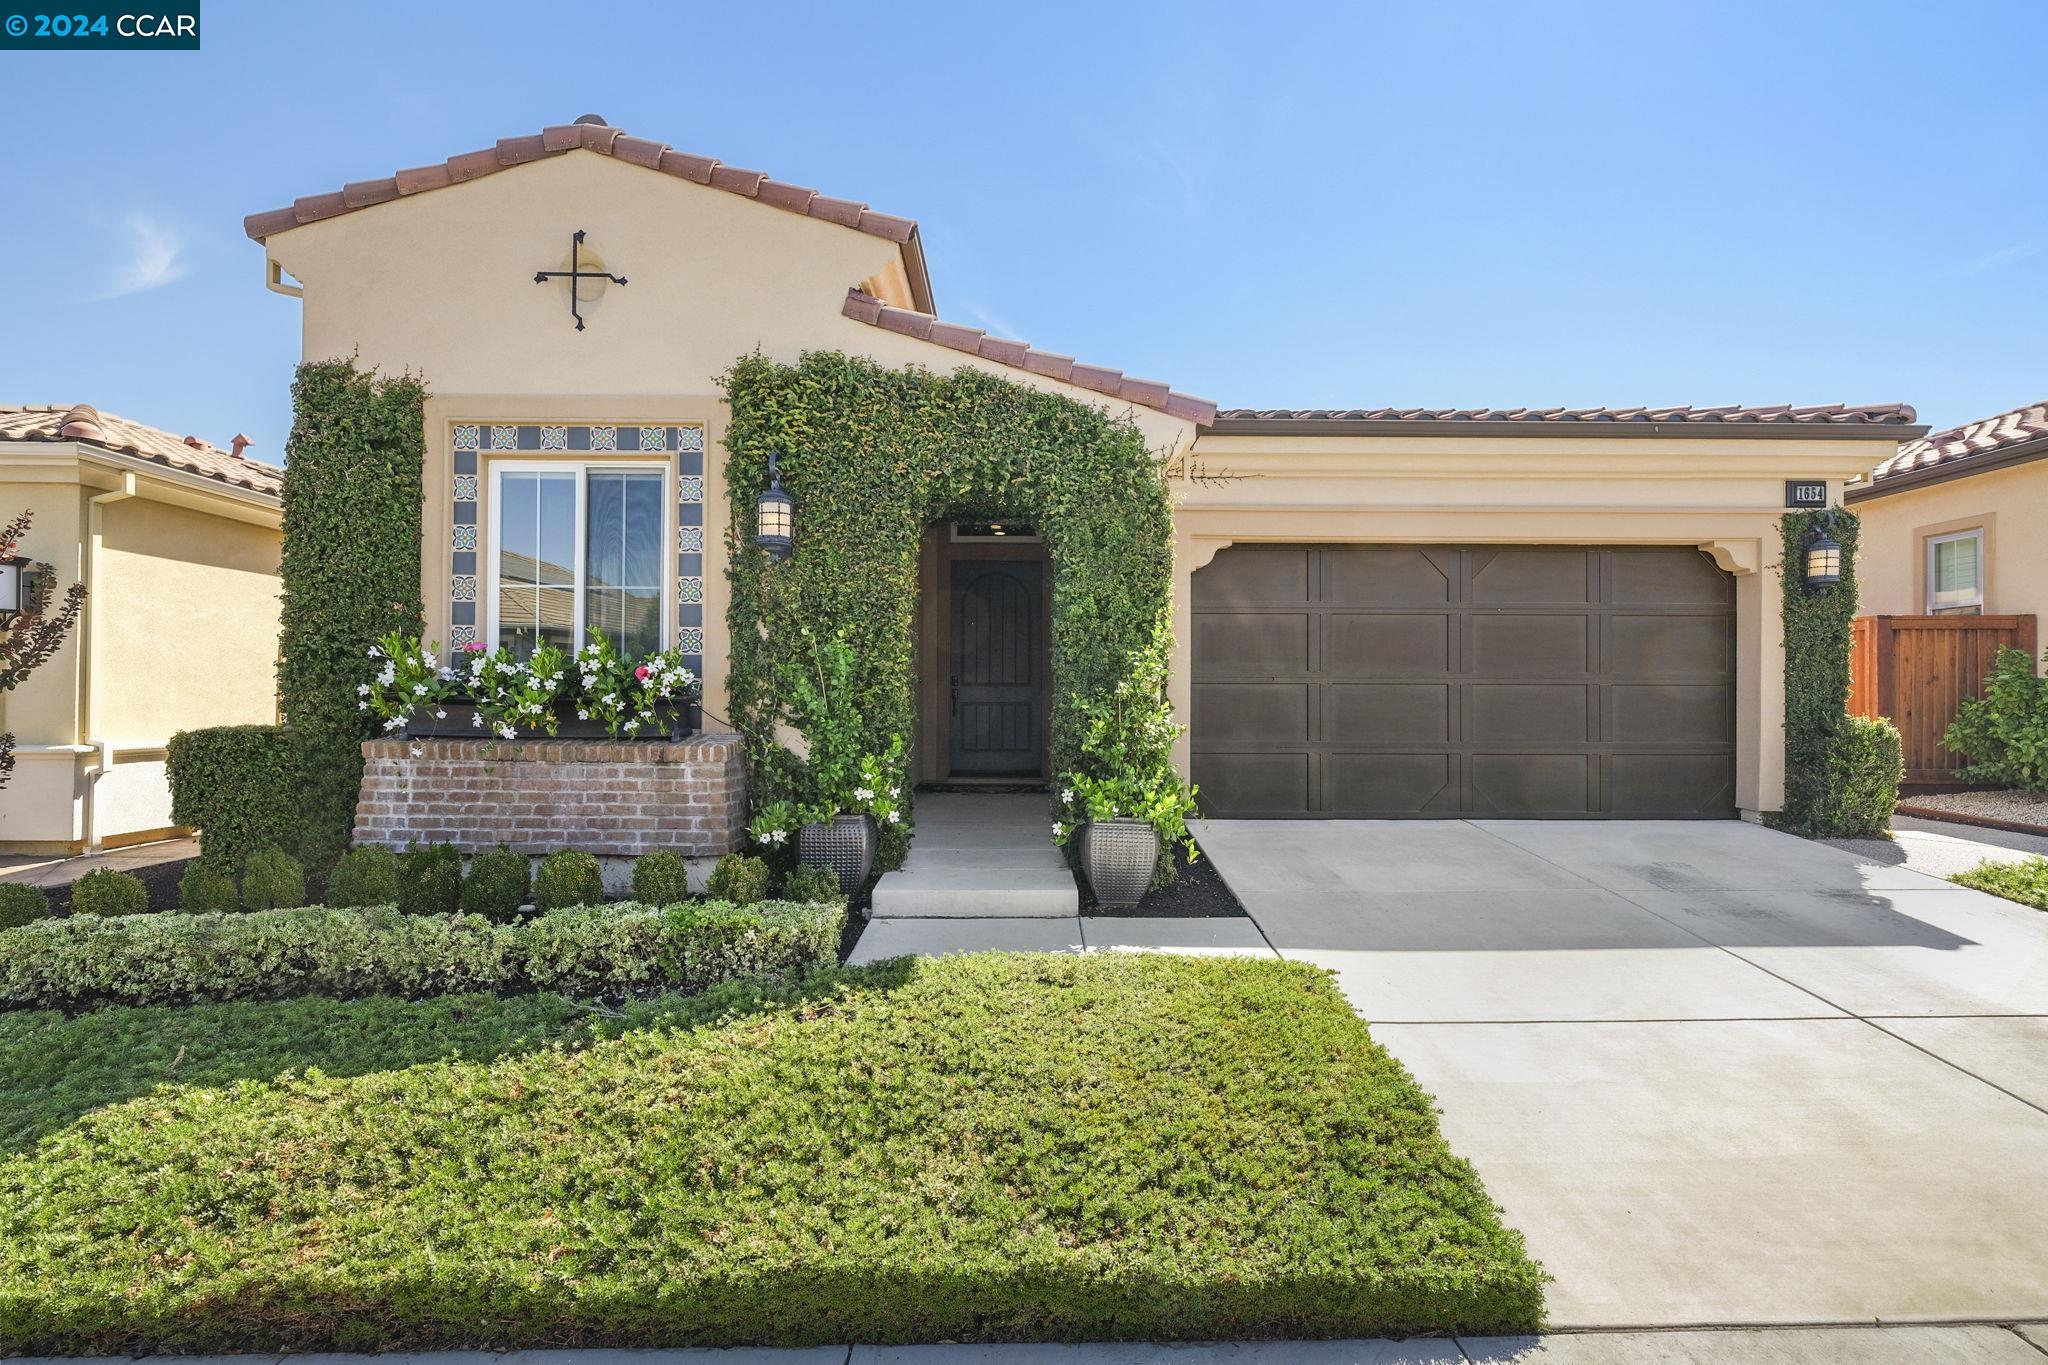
1386, 785
1444, 680
1667, 579
1511, 713
1253, 784
1687, 713
1529, 577
1388, 576
1386, 646
1367, 713
1252, 713
1671, 785
1532, 784
1257, 576
1530, 646
1252, 644
1664, 646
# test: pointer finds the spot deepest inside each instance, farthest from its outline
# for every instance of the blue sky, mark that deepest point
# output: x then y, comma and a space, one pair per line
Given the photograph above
1271, 205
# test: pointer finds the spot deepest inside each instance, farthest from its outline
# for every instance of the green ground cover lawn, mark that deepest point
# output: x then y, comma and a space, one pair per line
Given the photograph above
2025, 882
991, 1147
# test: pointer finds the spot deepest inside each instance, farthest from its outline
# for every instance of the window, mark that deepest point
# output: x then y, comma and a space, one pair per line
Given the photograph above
1955, 572
576, 548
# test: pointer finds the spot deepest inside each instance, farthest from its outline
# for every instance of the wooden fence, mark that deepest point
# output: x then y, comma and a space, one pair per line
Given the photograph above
1918, 669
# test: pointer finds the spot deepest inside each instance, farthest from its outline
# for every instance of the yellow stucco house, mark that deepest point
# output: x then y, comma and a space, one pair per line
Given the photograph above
1387, 612
177, 542
1952, 522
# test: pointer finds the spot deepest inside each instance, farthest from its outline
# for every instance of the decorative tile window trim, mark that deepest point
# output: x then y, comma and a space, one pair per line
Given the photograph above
686, 442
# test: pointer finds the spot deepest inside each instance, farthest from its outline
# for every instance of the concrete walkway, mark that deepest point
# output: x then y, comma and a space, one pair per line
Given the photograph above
883, 938
50, 871
977, 857
1716, 1074
2023, 1344
1942, 848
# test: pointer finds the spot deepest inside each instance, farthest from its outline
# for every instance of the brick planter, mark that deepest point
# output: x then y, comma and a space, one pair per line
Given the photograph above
608, 797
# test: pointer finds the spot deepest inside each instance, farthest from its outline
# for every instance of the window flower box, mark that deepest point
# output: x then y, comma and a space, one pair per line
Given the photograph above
672, 720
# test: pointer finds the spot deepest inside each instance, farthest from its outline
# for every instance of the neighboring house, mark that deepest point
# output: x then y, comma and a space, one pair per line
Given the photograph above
1392, 612
1953, 523
177, 543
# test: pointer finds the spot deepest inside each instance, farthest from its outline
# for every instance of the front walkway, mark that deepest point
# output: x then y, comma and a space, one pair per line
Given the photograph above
980, 856
50, 870
1716, 1074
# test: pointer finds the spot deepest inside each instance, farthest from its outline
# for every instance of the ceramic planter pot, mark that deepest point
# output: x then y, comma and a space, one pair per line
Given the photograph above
1118, 856
672, 720
846, 844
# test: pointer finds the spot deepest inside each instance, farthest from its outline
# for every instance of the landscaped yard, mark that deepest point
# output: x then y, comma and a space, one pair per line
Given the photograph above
972, 1148
2025, 881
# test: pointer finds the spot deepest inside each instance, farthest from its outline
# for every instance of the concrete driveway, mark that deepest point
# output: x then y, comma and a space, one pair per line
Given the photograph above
1717, 1074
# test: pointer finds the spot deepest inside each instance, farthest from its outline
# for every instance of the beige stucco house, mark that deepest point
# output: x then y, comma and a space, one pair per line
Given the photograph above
177, 542
1386, 611
1953, 522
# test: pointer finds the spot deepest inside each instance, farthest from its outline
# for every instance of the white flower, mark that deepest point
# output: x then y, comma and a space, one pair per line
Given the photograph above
374, 651
1067, 797
477, 720
362, 706
446, 673
440, 715
418, 749
863, 794
895, 792
895, 817
1059, 830
419, 689
395, 723
507, 731
362, 689
582, 714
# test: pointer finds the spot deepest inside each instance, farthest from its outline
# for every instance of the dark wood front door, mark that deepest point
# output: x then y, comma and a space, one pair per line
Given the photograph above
998, 667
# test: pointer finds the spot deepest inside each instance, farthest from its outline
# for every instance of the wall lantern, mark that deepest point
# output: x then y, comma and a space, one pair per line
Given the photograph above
20, 581
1823, 562
775, 515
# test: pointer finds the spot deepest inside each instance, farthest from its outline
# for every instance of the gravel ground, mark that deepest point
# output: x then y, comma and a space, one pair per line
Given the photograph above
1941, 848
2028, 808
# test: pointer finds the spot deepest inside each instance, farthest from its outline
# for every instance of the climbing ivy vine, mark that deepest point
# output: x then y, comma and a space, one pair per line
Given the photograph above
872, 456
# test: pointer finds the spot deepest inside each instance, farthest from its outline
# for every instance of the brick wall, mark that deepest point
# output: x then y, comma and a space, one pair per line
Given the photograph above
600, 796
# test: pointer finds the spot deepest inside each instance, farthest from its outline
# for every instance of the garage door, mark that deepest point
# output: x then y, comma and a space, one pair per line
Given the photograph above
1366, 680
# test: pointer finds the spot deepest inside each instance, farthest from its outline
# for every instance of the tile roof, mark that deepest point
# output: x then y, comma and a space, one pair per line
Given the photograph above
1974, 441
592, 133
1835, 414
105, 430
1147, 393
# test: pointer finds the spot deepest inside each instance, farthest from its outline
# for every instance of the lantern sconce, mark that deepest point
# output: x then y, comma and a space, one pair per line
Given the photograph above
775, 515
1823, 562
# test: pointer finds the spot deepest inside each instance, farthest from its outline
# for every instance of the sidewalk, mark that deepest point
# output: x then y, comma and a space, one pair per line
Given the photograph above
2024, 1344
49, 870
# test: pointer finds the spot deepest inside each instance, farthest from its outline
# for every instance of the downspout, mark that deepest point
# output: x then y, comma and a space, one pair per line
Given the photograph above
88, 658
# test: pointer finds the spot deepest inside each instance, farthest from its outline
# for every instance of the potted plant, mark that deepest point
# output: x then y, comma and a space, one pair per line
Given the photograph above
844, 790
1124, 801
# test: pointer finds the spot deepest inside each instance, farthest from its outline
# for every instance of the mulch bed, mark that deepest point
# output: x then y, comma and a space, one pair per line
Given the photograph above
160, 878
1198, 892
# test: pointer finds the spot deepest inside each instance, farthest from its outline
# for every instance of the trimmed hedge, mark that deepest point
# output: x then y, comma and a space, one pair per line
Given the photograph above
84, 962
738, 878
364, 876
994, 1147
205, 889
663, 878
272, 880
430, 879
497, 884
350, 573
234, 784
21, 905
566, 879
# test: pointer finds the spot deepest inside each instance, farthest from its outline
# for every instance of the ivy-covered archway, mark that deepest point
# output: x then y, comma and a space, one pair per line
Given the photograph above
874, 455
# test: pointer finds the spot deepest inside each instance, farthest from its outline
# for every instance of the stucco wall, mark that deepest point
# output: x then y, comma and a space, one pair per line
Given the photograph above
442, 284
1724, 496
2011, 505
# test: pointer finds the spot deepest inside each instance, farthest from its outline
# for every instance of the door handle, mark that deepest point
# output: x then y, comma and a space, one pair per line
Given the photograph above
956, 694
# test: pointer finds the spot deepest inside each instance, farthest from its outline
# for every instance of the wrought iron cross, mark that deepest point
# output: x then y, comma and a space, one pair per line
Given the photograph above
575, 274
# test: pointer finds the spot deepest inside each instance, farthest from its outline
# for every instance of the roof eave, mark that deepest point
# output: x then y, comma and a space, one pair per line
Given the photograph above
1559, 430
1948, 471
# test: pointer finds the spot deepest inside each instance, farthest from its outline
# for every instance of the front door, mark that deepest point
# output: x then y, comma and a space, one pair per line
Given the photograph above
998, 667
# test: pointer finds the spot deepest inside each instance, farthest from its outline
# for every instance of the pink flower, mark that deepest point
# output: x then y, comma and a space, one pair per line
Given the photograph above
641, 672
473, 647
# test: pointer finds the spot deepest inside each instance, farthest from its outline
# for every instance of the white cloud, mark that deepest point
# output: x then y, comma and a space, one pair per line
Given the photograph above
154, 256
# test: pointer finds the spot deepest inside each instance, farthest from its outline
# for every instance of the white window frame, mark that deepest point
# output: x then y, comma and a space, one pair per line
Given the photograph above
1935, 599
583, 469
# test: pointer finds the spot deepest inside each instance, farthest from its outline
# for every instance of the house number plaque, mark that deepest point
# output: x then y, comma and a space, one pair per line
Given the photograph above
1804, 493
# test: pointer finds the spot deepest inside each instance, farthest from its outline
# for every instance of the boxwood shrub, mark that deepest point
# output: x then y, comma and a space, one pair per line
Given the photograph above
364, 876
234, 784
430, 879
21, 905
611, 951
740, 879
661, 878
205, 888
809, 882
103, 891
272, 880
497, 885
567, 878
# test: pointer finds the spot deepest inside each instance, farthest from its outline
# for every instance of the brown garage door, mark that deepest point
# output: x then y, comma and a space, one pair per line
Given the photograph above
1369, 680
